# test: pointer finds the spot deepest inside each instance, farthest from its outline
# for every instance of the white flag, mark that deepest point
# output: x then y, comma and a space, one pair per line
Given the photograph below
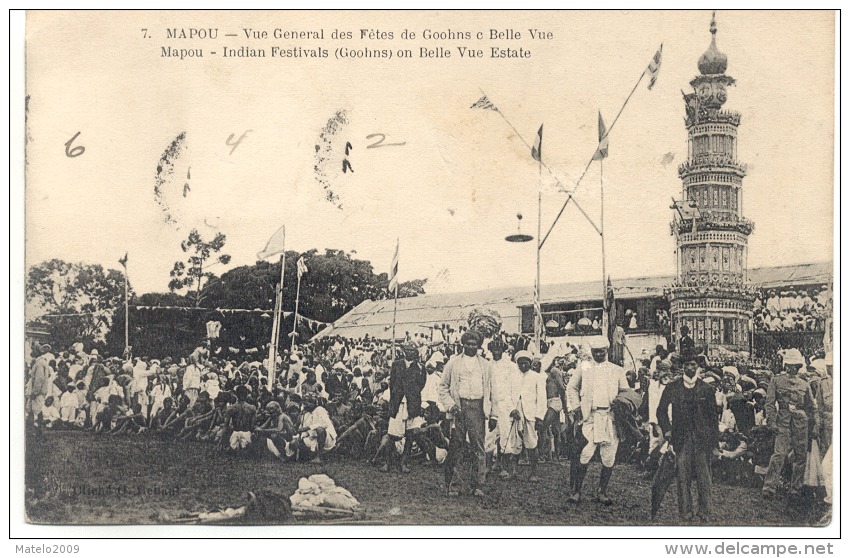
302, 267
274, 246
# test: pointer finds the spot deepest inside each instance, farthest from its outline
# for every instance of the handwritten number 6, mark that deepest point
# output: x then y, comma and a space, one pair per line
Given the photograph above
75, 152
380, 142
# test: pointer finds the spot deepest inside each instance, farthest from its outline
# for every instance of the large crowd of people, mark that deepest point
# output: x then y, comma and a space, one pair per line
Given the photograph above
475, 406
791, 309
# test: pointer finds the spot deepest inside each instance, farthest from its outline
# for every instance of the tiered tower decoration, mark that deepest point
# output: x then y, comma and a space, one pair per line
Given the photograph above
711, 295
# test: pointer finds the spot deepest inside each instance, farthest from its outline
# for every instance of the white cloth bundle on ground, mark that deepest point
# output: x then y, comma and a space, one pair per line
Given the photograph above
322, 491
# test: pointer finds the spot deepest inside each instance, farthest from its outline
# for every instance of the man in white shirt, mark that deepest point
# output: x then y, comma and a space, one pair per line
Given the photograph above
192, 380
589, 395
502, 370
773, 303
467, 392
656, 386
525, 406
431, 391
318, 434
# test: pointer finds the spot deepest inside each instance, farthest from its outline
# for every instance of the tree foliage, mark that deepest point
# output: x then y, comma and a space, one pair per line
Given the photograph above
335, 283
192, 274
77, 299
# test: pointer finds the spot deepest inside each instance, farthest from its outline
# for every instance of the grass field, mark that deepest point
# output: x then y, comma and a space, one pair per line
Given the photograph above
82, 478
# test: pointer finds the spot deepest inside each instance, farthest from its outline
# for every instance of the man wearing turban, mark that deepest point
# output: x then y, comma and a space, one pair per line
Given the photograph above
467, 393
590, 392
407, 379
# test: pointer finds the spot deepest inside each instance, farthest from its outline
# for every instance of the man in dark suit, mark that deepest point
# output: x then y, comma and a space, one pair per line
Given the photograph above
407, 379
686, 342
693, 435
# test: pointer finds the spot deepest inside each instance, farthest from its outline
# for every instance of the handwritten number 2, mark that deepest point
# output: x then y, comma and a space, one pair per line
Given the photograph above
75, 152
380, 142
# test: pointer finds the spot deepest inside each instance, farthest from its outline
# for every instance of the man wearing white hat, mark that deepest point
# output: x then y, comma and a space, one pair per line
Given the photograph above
502, 370
524, 404
590, 392
789, 406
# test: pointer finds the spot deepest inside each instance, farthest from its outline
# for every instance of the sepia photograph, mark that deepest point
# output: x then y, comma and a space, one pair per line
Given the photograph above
428, 268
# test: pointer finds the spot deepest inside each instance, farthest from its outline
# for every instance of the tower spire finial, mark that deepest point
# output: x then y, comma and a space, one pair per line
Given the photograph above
713, 61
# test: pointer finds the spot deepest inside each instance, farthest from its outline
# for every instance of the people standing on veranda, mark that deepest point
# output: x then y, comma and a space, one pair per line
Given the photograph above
789, 407
692, 432
407, 379
525, 404
590, 392
466, 391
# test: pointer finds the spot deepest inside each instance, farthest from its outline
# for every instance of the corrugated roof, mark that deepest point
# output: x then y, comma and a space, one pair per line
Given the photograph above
417, 314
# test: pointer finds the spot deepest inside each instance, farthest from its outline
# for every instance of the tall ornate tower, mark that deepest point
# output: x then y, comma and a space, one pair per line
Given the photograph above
711, 295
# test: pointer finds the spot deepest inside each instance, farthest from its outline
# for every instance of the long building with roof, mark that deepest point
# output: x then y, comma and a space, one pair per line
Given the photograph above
563, 303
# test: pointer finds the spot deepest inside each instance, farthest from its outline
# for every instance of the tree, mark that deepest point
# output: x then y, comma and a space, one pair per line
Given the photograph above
334, 284
78, 300
414, 287
192, 274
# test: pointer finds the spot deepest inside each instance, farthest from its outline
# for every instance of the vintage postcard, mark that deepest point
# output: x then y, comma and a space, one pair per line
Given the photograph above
538, 268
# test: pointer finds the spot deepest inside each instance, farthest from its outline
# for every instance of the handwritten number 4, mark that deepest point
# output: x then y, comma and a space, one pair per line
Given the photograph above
380, 142
75, 152
229, 141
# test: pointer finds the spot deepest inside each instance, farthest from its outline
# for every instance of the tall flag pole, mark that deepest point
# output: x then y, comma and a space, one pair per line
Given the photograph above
302, 269
393, 288
537, 154
275, 323
123, 262
601, 153
653, 69
275, 245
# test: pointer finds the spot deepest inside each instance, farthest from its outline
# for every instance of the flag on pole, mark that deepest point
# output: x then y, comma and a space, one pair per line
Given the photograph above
602, 150
484, 103
654, 66
274, 246
610, 313
123, 261
302, 267
537, 150
539, 330
394, 271
692, 106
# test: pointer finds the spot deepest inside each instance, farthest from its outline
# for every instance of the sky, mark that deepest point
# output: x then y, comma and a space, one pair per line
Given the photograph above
451, 192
